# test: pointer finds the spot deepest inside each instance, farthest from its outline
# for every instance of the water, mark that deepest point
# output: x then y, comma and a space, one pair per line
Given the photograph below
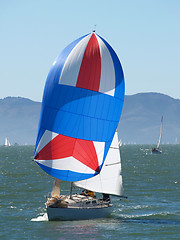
152, 210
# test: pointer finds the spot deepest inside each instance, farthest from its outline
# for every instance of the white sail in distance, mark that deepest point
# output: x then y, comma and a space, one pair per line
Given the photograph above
160, 134
7, 143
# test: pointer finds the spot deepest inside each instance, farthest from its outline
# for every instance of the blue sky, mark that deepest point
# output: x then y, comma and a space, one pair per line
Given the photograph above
144, 33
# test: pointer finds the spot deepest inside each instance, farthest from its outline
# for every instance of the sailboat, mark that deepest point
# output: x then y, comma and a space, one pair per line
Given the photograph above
77, 139
156, 149
120, 143
6, 142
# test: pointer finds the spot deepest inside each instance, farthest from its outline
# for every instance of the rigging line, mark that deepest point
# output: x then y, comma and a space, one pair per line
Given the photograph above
114, 147
112, 164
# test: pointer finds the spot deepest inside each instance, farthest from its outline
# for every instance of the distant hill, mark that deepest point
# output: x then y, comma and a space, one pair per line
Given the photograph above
19, 120
140, 119
141, 116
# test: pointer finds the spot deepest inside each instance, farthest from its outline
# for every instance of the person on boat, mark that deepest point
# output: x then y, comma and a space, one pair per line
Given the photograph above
106, 197
86, 192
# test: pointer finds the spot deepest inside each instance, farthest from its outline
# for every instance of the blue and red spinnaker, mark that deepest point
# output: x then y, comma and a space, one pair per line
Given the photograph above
81, 108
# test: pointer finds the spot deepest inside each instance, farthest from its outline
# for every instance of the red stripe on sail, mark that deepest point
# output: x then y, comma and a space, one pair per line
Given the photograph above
90, 70
62, 146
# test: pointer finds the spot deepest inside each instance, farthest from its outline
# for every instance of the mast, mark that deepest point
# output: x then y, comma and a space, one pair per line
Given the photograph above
71, 190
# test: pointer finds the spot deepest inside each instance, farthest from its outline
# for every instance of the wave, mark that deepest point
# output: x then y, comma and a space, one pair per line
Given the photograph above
153, 218
41, 218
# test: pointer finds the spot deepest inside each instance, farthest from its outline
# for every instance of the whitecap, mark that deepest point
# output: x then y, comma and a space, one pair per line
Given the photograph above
42, 218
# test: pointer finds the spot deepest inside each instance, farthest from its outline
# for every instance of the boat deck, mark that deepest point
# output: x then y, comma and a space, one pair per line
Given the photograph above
76, 201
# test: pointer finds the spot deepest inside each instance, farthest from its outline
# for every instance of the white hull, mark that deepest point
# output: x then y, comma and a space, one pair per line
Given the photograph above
79, 208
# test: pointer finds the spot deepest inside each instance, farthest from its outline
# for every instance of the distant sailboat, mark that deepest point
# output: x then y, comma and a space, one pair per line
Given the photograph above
157, 150
7, 143
120, 143
77, 139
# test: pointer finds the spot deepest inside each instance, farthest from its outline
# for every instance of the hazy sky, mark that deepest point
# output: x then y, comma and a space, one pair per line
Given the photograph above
144, 33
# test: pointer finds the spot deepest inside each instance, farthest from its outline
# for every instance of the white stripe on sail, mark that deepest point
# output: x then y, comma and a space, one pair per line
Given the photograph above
72, 65
69, 163
107, 81
99, 146
45, 139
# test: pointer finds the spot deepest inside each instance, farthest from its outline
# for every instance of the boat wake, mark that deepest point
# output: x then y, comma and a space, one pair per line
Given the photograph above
154, 218
149, 215
41, 218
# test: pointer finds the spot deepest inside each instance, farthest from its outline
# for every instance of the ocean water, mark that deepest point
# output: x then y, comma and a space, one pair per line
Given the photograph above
152, 210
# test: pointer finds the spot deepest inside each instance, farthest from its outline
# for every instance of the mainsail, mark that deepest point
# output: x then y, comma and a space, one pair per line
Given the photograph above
110, 179
81, 108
